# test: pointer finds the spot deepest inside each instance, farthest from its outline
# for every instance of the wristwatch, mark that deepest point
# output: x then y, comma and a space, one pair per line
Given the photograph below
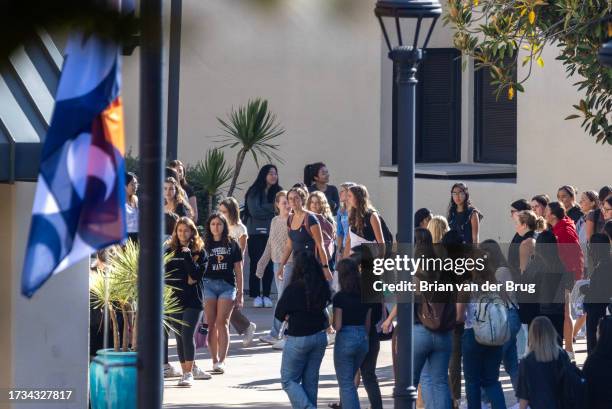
325, 266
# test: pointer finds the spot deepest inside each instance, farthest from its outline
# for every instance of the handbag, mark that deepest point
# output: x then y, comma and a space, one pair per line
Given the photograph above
382, 336
201, 335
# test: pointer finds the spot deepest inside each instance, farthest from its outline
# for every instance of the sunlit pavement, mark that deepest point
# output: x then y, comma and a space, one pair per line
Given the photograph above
252, 377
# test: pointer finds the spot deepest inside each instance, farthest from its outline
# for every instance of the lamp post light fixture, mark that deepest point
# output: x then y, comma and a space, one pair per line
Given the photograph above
406, 58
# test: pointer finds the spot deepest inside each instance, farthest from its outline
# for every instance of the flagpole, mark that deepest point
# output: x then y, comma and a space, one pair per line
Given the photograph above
150, 279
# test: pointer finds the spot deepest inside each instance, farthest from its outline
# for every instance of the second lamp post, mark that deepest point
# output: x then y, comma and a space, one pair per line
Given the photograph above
406, 59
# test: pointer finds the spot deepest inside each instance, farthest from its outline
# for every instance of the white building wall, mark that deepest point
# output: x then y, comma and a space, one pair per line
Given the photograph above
322, 71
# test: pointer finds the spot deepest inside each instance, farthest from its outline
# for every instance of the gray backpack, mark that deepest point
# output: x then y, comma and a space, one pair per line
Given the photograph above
491, 326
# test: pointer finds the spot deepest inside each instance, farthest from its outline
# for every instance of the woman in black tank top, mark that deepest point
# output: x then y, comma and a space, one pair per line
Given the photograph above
304, 232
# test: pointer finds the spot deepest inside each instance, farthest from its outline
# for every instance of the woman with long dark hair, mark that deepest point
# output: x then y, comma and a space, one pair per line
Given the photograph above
185, 270
364, 223
303, 305
175, 199
316, 178
178, 166
222, 286
566, 195
352, 324
595, 219
259, 212
539, 203
462, 215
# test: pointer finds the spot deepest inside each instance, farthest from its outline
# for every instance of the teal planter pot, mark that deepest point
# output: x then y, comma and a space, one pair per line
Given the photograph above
115, 386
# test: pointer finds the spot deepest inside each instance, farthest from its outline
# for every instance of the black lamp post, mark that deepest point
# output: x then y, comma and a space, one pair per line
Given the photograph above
406, 59
605, 54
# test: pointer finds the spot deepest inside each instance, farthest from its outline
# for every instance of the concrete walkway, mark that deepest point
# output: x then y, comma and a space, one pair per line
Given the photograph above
252, 377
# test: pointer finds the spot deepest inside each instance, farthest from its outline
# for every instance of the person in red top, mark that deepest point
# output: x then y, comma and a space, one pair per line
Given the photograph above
571, 256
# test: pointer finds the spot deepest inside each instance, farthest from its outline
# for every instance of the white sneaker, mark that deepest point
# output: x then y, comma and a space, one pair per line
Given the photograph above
258, 302
171, 372
515, 406
199, 373
267, 302
279, 345
268, 339
219, 368
186, 379
247, 338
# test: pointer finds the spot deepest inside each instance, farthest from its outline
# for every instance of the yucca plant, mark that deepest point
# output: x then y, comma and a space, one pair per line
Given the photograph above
117, 288
253, 129
210, 176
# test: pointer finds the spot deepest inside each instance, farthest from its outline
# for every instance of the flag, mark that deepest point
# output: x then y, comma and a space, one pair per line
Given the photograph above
79, 206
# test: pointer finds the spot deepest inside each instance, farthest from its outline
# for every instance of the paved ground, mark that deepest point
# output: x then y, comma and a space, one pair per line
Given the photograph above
252, 379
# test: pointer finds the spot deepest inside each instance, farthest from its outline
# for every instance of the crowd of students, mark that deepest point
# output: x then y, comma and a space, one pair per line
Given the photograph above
307, 240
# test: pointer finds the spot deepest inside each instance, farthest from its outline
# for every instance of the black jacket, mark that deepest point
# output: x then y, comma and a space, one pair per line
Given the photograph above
181, 265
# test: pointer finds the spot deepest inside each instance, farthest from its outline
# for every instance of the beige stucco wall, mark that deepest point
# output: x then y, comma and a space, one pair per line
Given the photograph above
44, 339
322, 72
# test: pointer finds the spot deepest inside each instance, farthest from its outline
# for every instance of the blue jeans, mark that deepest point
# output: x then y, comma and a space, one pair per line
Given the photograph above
432, 350
280, 286
350, 349
218, 289
510, 355
481, 370
300, 366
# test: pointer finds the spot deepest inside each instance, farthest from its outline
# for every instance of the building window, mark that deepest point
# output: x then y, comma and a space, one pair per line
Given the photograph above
494, 122
438, 108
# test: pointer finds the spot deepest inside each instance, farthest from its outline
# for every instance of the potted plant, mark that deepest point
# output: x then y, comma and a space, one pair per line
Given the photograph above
115, 287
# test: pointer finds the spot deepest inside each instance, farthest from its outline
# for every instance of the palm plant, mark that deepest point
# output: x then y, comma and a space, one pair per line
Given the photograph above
116, 287
210, 175
252, 128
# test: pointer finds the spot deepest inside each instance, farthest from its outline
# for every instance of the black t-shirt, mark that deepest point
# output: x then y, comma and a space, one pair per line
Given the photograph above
354, 312
575, 213
221, 259
302, 322
181, 210
598, 380
537, 382
188, 190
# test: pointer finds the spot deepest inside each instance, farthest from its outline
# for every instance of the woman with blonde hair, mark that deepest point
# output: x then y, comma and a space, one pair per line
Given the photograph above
317, 204
274, 252
230, 208
175, 199
185, 270
437, 226
538, 370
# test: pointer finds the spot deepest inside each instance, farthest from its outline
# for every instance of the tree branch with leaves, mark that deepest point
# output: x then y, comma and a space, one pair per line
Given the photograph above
500, 34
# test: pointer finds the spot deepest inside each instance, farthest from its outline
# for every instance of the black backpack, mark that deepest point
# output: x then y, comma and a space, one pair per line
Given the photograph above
571, 385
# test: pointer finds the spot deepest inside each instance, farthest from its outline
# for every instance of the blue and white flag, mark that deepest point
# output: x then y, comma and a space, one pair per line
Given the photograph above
79, 205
